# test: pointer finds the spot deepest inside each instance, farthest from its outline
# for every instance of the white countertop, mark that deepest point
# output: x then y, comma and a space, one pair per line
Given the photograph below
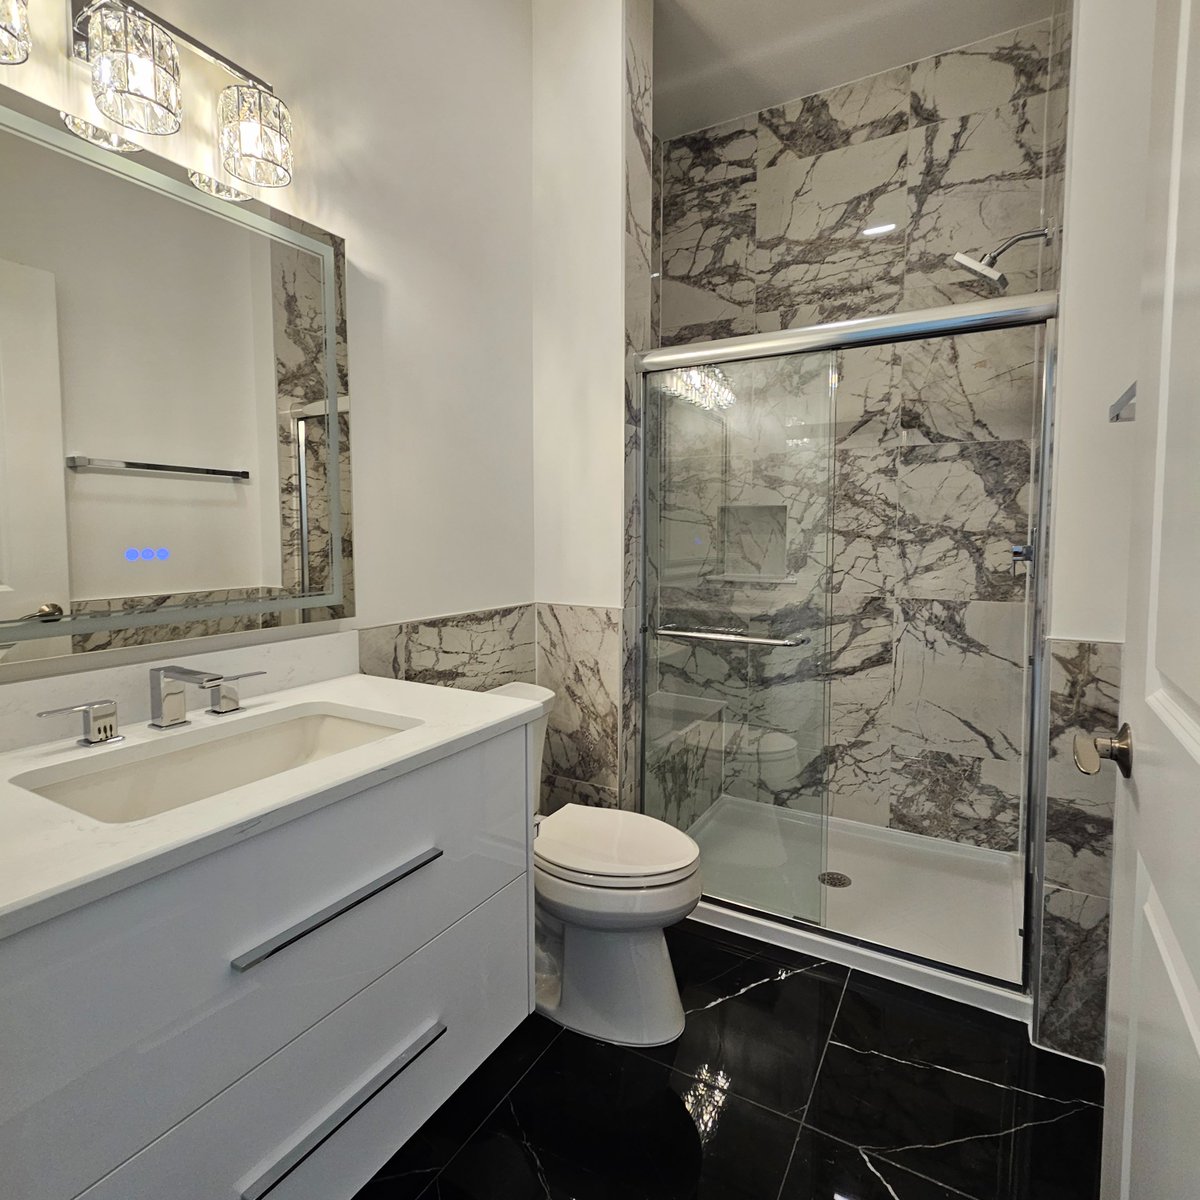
53, 859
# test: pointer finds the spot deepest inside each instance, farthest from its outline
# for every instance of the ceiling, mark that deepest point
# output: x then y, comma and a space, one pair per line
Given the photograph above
718, 59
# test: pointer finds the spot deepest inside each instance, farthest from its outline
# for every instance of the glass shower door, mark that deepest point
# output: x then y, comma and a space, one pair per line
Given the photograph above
738, 486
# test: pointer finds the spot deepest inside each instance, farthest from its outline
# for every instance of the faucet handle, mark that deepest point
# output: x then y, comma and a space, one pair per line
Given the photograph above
223, 696
99, 720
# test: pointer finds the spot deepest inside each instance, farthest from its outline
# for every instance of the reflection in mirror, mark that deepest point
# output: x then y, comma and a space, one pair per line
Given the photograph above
166, 448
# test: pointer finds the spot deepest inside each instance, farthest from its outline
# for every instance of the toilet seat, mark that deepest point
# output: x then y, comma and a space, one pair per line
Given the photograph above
607, 848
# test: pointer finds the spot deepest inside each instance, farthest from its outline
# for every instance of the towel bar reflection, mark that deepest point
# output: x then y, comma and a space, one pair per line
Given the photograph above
722, 635
81, 462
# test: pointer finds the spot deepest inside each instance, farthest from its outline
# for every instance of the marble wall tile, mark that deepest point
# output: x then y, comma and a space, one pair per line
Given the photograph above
962, 507
979, 145
869, 108
1074, 973
860, 782
685, 744
707, 281
973, 387
868, 392
811, 262
959, 682
971, 800
557, 791
973, 181
381, 651
629, 754
1000, 70
865, 521
861, 670
478, 650
724, 153
770, 767
1085, 684
579, 658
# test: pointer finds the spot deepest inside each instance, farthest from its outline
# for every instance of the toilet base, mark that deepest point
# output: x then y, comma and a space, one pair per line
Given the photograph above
617, 986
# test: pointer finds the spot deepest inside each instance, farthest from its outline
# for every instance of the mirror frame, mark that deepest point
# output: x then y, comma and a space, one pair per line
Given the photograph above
34, 121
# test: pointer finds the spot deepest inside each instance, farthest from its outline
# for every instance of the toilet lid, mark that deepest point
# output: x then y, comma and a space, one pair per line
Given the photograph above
606, 841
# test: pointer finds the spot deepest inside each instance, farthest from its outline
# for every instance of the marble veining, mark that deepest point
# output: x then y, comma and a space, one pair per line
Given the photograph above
765, 214
579, 658
1074, 973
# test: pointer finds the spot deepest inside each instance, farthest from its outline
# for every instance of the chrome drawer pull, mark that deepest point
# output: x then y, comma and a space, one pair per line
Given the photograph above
327, 1126
252, 958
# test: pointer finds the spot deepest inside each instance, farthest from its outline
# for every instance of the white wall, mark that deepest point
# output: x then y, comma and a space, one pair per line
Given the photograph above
413, 143
1098, 345
578, 300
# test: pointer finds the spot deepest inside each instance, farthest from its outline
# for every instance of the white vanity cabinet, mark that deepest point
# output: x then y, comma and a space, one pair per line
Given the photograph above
211, 1031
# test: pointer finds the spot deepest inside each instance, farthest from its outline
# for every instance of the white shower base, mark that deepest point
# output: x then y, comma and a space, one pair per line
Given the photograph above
948, 903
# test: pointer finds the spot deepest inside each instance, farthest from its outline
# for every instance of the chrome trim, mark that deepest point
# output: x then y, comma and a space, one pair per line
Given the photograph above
1038, 748
1032, 309
722, 635
281, 941
324, 1128
81, 462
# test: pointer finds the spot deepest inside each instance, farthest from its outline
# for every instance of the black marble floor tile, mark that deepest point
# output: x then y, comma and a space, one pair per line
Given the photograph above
974, 1136
917, 1027
825, 1169
409, 1171
761, 1024
598, 1122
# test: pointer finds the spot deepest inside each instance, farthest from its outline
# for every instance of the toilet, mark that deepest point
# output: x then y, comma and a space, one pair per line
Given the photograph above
606, 885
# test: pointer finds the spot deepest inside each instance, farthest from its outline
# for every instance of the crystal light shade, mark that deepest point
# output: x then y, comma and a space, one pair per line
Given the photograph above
255, 136
214, 187
135, 70
97, 136
706, 387
15, 42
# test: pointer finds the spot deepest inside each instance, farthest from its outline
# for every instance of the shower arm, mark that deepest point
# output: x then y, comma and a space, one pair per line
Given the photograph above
989, 260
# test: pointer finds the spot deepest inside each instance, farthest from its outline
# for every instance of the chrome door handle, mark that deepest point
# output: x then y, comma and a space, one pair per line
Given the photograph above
1090, 751
281, 941
326, 1126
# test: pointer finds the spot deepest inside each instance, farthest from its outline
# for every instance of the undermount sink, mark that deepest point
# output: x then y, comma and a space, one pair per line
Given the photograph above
131, 784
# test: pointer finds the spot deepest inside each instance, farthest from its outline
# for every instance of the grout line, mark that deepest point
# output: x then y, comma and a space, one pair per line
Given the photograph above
899, 1167
812, 1091
787, 1168
492, 1111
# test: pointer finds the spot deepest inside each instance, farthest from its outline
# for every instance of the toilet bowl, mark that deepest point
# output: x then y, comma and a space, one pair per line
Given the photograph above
606, 885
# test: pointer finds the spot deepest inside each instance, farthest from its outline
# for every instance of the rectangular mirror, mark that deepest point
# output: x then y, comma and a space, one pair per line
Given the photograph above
174, 409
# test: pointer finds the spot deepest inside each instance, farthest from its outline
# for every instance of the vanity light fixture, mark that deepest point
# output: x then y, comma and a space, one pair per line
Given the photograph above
255, 131
214, 187
134, 60
99, 137
15, 42
135, 70
705, 387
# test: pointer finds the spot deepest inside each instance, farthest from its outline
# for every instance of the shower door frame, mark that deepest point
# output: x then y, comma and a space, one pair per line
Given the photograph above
1032, 310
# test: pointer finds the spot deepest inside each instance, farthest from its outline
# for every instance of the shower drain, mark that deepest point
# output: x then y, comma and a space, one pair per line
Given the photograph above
834, 879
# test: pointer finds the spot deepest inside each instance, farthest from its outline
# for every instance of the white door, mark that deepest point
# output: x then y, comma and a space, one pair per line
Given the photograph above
1152, 1133
33, 514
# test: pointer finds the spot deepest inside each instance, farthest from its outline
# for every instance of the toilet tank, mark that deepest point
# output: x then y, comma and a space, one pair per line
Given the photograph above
545, 697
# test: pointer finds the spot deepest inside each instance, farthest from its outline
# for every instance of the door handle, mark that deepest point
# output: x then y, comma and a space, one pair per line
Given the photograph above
1090, 751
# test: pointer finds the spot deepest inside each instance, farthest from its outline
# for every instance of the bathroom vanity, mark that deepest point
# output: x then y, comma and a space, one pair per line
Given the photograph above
221, 985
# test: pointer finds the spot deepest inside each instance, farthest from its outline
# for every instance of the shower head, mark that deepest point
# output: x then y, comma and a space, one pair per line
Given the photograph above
986, 266
983, 268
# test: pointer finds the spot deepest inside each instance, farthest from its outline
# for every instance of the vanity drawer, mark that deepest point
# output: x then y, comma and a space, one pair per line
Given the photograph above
125, 1016
391, 1056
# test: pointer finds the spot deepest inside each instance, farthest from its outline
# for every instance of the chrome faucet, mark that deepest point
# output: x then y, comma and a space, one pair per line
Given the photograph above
168, 702
168, 687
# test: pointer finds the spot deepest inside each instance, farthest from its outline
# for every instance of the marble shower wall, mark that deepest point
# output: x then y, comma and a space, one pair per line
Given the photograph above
933, 458
1085, 684
762, 217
